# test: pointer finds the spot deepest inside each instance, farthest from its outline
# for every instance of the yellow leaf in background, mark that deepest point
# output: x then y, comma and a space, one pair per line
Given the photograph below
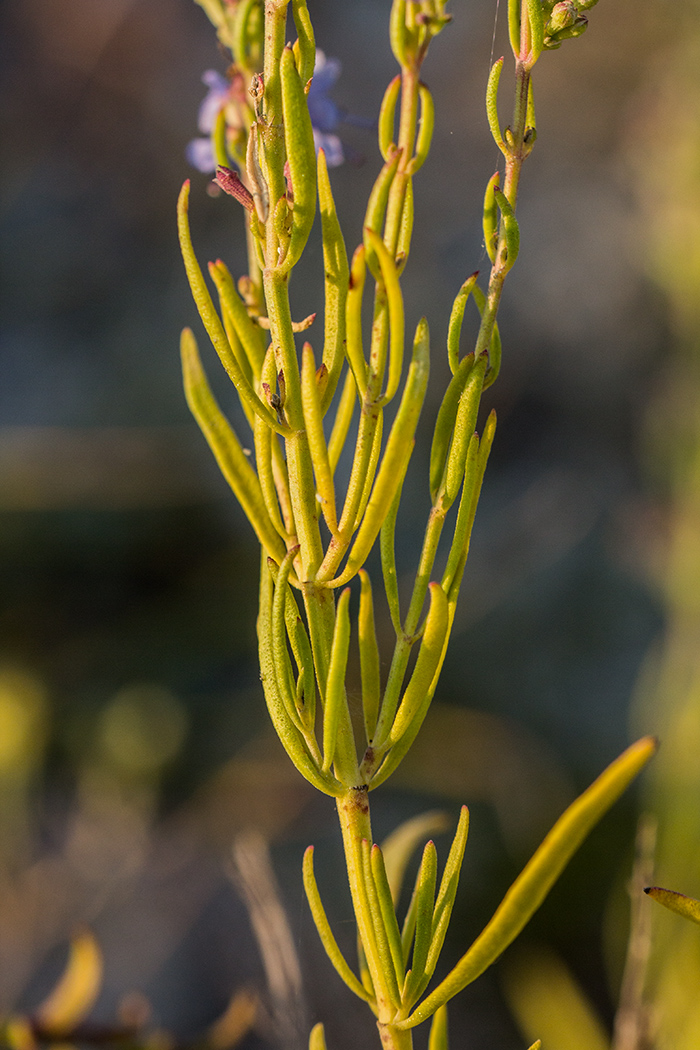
438, 1039
235, 1022
546, 1000
398, 847
317, 1039
689, 907
74, 995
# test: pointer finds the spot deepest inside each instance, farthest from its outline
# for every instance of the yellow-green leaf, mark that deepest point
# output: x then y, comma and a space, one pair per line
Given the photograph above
678, 902
537, 878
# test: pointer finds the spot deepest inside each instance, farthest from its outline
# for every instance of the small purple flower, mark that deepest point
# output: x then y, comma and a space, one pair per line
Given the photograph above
331, 146
214, 102
199, 152
325, 114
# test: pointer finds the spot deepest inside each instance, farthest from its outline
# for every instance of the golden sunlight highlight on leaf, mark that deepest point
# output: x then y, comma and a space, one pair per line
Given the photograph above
74, 995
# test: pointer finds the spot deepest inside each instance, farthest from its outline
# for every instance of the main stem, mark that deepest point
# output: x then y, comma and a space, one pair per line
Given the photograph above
355, 825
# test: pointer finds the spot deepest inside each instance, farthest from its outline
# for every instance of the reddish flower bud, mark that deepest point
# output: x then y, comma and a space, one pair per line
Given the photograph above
230, 183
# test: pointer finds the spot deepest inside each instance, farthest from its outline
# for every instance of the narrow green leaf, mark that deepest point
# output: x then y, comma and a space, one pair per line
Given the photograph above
511, 228
343, 418
283, 665
494, 352
539, 875
307, 43
431, 647
465, 519
335, 697
408, 932
487, 439
490, 222
353, 313
477, 458
324, 929
447, 893
369, 657
239, 43
307, 677
387, 114
465, 424
454, 330
290, 737
514, 7
403, 241
336, 277
386, 906
425, 902
376, 209
396, 456
301, 156
232, 460
364, 458
438, 1039
381, 937
425, 129
311, 406
390, 279
492, 105
264, 440
398, 752
370, 471
530, 119
239, 354
399, 846
210, 317
689, 907
387, 551
397, 31
248, 332
445, 425
536, 21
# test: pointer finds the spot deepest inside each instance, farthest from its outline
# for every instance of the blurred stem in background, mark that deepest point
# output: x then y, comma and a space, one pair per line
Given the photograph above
668, 186
664, 1010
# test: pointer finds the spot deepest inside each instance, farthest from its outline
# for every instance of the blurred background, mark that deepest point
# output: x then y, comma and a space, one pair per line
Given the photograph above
134, 744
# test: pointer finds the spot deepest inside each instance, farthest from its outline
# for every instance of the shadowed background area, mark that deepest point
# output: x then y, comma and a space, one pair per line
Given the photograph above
133, 738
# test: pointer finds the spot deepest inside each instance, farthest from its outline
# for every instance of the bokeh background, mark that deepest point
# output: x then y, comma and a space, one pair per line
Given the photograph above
133, 738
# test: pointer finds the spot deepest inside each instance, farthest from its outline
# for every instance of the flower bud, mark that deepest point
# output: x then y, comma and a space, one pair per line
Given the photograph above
230, 183
563, 15
566, 23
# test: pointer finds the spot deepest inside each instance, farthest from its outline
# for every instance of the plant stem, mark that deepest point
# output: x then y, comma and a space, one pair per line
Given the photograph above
355, 825
514, 162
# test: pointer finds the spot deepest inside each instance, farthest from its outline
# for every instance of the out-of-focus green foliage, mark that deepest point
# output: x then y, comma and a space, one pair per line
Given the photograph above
667, 181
